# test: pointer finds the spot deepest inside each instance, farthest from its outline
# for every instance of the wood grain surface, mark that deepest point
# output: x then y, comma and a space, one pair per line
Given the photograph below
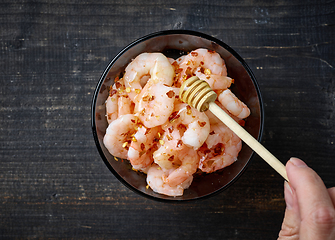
53, 183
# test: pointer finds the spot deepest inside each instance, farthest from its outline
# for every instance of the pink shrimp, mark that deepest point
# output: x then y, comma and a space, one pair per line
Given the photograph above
155, 180
118, 135
154, 104
144, 142
156, 65
220, 149
193, 125
207, 65
233, 104
118, 103
189, 161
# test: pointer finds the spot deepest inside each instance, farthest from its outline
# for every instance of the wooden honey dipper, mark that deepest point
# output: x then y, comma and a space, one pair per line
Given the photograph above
198, 94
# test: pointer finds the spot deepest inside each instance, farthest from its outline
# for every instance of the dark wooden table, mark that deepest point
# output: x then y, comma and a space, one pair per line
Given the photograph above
52, 53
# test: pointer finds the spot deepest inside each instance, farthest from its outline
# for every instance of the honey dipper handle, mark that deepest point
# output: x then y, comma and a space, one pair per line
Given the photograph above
248, 139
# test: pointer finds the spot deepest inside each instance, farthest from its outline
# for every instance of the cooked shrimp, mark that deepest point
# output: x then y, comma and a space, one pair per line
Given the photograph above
193, 125
155, 104
215, 120
154, 64
233, 104
156, 183
207, 65
186, 126
220, 150
144, 142
118, 135
118, 102
189, 159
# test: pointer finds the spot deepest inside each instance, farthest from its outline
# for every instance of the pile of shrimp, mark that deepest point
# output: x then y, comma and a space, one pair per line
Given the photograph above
162, 136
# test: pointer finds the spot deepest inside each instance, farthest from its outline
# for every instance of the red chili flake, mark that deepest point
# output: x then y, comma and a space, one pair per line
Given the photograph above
242, 123
170, 94
233, 81
204, 149
179, 143
194, 54
202, 63
133, 120
175, 65
188, 72
218, 149
153, 149
201, 124
174, 116
171, 158
188, 110
211, 133
211, 51
118, 85
142, 146
182, 127
112, 92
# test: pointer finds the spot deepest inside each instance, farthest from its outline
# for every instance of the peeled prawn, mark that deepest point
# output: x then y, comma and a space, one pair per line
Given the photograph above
144, 142
193, 124
189, 161
156, 65
154, 104
118, 103
155, 181
207, 65
220, 150
234, 105
118, 135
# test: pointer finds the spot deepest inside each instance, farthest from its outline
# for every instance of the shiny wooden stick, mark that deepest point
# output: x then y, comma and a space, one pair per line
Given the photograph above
198, 94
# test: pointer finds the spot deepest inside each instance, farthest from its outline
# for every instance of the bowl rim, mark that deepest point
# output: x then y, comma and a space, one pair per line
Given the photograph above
162, 33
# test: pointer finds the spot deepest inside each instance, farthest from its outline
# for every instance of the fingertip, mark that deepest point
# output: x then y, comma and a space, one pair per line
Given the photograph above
297, 162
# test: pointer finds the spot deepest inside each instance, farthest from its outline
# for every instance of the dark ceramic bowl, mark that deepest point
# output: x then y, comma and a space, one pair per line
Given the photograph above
174, 43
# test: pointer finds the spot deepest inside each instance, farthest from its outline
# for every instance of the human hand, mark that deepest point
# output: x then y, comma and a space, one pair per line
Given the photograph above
310, 206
